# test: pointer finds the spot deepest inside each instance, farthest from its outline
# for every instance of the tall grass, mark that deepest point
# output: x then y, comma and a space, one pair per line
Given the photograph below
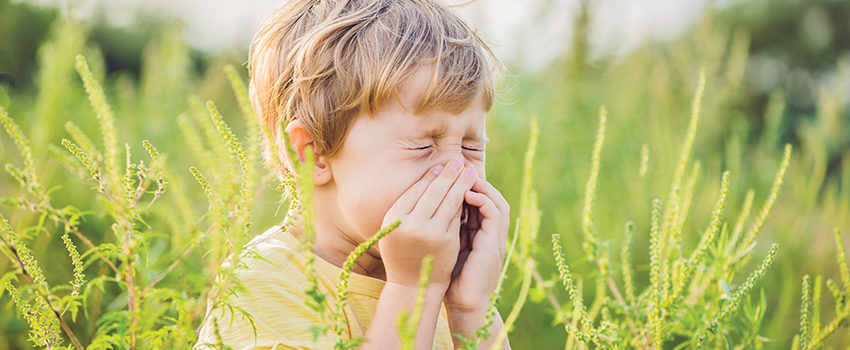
109, 246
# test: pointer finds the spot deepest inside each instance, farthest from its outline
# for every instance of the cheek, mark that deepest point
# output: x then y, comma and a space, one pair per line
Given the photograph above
396, 184
480, 168
368, 198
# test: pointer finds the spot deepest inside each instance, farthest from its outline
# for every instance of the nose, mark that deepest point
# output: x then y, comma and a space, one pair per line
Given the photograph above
458, 156
453, 156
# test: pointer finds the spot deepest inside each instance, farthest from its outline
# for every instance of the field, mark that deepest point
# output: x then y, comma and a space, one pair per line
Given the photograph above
688, 208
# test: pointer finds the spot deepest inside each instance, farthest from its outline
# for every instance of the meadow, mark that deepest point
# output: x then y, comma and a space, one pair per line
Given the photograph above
655, 205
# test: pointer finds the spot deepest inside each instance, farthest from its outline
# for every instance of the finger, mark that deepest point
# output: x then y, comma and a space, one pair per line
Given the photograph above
500, 240
405, 203
484, 204
482, 186
455, 223
491, 192
490, 216
436, 190
454, 198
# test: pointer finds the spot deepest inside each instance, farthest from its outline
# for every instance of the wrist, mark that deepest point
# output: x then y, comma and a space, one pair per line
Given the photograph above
464, 322
467, 322
465, 312
466, 309
433, 289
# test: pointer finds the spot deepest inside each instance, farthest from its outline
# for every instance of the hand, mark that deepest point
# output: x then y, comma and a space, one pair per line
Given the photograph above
428, 211
486, 228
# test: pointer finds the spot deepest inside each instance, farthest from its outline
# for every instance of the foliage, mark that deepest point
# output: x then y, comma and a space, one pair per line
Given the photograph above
108, 248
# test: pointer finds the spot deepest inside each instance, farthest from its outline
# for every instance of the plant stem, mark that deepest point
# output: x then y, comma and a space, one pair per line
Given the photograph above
176, 262
520, 301
26, 273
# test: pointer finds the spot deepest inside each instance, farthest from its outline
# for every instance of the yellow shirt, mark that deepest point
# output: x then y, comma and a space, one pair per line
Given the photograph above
275, 285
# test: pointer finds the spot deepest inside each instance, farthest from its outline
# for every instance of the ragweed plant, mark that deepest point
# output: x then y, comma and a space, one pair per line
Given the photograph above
129, 195
811, 335
680, 302
675, 280
121, 199
408, 321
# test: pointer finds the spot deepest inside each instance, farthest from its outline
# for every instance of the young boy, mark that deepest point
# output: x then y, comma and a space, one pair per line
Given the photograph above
391, 96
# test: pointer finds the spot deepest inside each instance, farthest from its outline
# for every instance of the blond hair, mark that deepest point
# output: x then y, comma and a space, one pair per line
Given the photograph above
327, 61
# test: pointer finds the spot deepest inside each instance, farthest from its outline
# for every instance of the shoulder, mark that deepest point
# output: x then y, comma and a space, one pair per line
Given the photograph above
268, 310
271, 250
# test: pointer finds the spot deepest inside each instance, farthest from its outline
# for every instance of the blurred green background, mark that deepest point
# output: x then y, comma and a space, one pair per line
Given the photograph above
778, 71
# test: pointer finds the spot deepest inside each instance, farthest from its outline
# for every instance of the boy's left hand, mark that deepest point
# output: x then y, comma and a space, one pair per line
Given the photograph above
486, 228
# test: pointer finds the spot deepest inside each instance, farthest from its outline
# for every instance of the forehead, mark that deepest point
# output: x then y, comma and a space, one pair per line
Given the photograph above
434, 122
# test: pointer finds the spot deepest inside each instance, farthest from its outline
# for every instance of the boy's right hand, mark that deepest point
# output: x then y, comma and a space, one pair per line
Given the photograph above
429, 212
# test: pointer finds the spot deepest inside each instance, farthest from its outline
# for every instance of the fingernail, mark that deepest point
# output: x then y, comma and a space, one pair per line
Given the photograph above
437, 169
455, 165
469, 172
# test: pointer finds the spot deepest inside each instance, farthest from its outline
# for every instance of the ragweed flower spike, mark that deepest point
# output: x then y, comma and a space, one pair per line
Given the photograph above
750, 237
816, 293
43, 320
340, 322
591, 244
105, 118
673, 206
77, 261
43, 331
837, 294
805, 314
687, 199
83, 141
626, 262
579, 311
253, 124
152, 151
239, 157
408, 323
161, 179
234, 147
24, 149
94, 169
684, 275
655, 271
241, 92
739, 295
127, 182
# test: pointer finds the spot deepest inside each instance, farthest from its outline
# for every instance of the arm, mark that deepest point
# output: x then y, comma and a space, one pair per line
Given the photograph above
429, 212
383, 332
466, 322
485, 234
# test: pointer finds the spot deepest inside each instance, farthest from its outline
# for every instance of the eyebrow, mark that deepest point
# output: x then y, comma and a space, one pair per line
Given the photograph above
441, 131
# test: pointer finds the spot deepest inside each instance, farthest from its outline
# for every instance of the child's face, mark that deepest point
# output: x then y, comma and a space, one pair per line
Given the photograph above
383, 156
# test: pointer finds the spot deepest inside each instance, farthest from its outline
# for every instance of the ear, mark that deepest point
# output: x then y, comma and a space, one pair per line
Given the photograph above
300, 139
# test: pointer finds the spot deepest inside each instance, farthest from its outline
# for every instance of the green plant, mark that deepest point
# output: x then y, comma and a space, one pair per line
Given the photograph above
123, 256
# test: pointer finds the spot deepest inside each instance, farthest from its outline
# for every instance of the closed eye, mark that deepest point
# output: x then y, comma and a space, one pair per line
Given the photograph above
466, 148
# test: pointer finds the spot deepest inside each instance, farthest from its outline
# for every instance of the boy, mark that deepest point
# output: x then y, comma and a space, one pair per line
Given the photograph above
391, 96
